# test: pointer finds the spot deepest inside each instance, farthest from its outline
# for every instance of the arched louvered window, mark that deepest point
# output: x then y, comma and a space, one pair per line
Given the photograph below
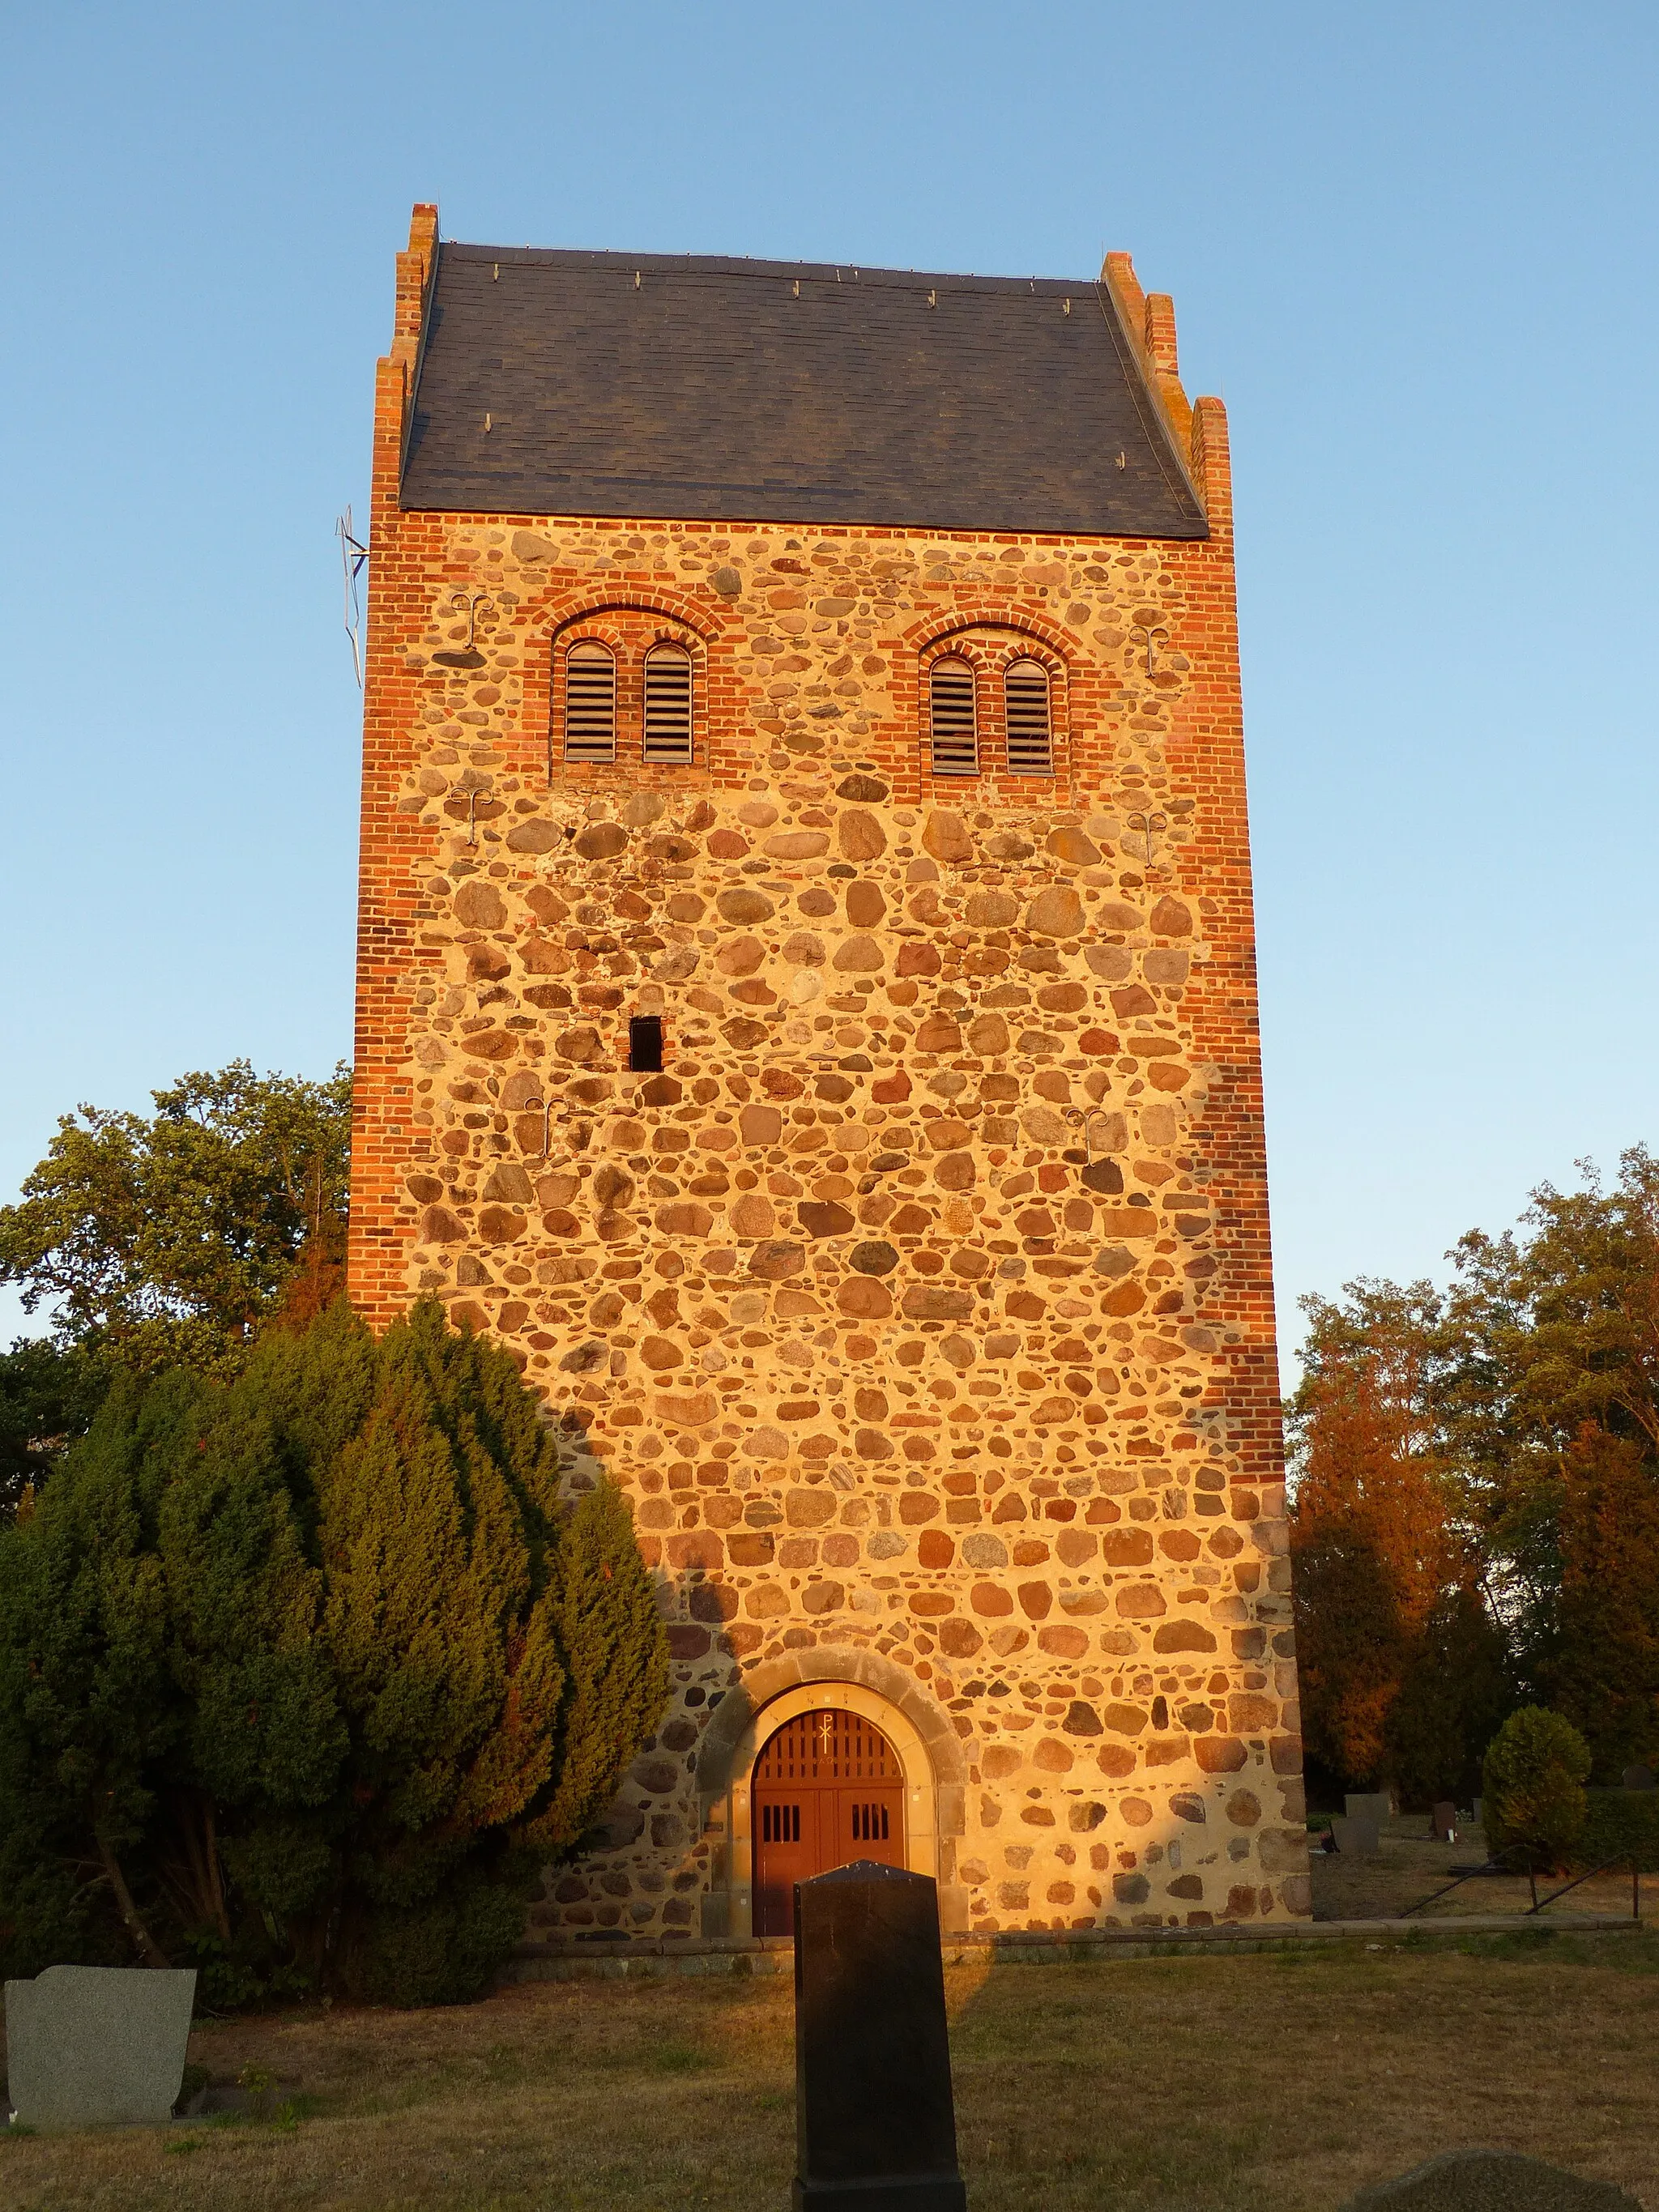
668, 706
590, 702
953, 721
1029, 720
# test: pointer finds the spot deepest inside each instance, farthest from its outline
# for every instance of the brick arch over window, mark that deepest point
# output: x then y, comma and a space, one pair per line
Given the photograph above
917, 1728
547, 621
1011, 734
653, 653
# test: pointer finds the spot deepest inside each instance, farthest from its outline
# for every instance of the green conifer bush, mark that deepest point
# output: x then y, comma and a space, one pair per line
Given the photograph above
303, 1675
1534, 1803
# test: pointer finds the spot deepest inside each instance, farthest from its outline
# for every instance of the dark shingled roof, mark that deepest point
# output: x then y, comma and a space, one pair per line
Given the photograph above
776, 392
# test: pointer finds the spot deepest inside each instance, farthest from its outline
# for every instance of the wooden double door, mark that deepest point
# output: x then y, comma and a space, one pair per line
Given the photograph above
827, 1789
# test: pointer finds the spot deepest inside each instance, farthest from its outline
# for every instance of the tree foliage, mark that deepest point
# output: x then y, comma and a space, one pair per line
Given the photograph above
1485, 1462
1401, 1661
166, 1240
1533, 1805
48, 1396
303, 1673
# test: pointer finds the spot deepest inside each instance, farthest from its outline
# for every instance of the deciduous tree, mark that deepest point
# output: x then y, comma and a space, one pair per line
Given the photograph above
1401, 1661
166, 1239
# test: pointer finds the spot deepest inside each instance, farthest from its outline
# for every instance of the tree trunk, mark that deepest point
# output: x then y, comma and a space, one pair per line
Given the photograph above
148, 1949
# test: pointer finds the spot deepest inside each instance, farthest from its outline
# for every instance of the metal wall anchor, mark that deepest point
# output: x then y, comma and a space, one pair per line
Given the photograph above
541, 1106
1078, 1118
467, 656
1150, 826
1152, 634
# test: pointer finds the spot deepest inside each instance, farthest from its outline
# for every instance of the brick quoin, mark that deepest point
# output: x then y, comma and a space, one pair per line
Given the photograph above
1011, 1486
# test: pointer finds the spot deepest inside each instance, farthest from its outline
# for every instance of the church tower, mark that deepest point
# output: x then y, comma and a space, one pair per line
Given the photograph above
806, 1012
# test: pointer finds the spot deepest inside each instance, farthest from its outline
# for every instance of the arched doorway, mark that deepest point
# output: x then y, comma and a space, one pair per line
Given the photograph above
828, 1788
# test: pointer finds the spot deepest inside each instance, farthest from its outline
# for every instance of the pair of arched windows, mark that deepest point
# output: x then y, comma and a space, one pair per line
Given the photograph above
591, 705
954, 718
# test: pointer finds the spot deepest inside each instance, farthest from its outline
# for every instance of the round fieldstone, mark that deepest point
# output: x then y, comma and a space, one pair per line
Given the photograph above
602, 840
860, 956
771, 1262
946, 835
1057, 912
740, 904
491, 1044
479, 905
992, 910
860, 836
534, 836
874, 1258
823, 1218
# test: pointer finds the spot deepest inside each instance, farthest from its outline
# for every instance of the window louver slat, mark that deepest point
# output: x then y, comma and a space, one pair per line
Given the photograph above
590, 704
1031, 732
668, 706
954, 730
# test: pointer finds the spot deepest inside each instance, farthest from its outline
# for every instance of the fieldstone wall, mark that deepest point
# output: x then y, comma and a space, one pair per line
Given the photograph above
922, 1303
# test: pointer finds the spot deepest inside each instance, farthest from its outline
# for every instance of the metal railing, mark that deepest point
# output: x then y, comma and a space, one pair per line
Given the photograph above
1495, 1866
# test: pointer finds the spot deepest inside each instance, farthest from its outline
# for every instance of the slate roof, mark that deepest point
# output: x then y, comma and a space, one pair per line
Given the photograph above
778, 392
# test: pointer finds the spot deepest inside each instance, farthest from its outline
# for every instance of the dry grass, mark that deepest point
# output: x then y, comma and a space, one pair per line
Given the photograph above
1189, 2085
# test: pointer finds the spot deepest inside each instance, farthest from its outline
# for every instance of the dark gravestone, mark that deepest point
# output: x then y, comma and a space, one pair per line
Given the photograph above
1444, 1816
875, 2127
1490, 2181
1639, 1778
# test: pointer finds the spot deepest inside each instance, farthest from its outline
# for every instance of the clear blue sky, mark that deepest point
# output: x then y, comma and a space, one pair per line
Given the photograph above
1411, 246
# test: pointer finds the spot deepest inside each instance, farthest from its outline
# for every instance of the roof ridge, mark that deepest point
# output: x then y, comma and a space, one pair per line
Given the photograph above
601, 260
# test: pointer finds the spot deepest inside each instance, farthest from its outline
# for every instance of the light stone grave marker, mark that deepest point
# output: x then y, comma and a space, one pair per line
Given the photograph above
1370, 1805
1357, 1835
98, 2047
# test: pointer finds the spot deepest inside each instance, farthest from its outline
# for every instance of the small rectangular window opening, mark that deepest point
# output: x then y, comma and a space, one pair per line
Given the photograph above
668, 706
1030, 734
953, 728
645, 1044
590, 703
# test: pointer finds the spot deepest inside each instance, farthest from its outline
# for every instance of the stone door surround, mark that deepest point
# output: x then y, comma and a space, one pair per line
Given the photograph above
925, 1745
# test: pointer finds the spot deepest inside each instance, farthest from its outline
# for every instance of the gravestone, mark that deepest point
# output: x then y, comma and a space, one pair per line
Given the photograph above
1370, 1805
1444, 1817
1490, 2181
98, 2047
1357, 1835
1639, 1778
875, 2125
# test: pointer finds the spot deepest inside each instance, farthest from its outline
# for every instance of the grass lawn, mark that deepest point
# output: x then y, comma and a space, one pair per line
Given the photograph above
1187, 2085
